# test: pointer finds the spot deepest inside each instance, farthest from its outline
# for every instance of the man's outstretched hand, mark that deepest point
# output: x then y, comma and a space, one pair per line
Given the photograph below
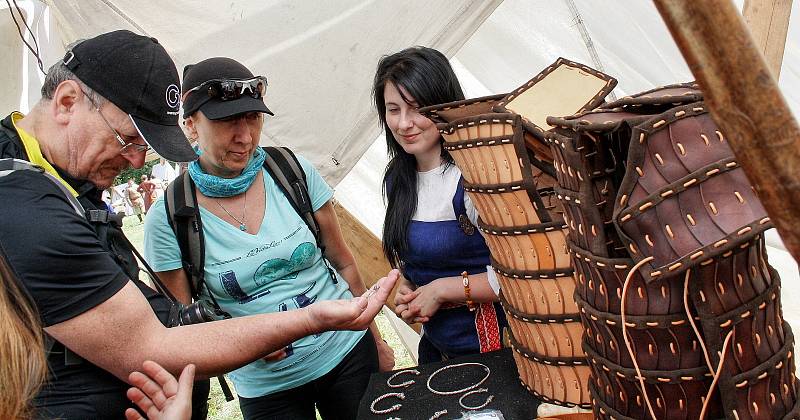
353, 314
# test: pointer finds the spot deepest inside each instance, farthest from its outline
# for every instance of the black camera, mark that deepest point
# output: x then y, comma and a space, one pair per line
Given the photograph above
195, 313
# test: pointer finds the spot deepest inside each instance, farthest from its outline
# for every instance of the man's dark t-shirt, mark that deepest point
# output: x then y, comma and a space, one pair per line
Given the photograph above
61, 260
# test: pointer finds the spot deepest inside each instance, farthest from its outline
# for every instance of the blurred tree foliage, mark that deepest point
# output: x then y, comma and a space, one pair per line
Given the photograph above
134, 173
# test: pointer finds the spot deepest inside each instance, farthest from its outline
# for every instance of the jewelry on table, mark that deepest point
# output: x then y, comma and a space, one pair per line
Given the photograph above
242, 224
438, 414
403, 384
475, 391
395, 407
430, 388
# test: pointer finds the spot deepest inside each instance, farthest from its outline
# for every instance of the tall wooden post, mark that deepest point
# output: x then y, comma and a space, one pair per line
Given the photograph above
768, 21
745, 101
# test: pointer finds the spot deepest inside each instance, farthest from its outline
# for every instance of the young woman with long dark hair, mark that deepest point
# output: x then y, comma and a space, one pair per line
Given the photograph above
429, 230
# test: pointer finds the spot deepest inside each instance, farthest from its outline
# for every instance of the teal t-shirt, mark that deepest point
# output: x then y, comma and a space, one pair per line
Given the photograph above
280, 268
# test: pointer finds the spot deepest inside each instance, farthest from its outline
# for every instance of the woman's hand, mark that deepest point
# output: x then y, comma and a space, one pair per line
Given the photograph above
405, 293
425, 303
156, 392
350, 314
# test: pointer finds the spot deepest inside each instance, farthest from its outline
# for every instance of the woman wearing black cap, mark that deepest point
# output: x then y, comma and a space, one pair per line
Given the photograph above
260, 256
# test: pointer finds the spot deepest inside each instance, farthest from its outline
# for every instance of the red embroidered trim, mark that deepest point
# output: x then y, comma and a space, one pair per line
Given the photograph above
487, 328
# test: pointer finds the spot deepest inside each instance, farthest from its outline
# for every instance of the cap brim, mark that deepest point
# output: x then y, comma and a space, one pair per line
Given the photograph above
216, 109
167, 140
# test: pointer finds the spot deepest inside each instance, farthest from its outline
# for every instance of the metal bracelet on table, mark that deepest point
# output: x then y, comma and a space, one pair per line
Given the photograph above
403, 384
395, 407
438, 414
475, 391
488, 372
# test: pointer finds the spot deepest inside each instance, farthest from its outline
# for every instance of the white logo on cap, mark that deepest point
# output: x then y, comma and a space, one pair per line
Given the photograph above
173, 96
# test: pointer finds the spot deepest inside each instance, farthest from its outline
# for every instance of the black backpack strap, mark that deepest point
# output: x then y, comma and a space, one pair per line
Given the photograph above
285, 169
10, 165
183, 215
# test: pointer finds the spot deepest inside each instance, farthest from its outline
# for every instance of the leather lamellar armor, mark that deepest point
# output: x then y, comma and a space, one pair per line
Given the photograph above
666, 236
498, 143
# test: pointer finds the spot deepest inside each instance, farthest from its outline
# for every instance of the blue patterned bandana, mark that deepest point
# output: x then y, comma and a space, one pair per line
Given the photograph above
214, 186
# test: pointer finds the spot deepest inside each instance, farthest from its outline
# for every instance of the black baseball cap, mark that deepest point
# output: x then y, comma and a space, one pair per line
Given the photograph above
137, 75
214, 109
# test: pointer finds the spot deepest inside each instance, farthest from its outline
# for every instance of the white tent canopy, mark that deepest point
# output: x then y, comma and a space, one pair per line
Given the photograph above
320, 57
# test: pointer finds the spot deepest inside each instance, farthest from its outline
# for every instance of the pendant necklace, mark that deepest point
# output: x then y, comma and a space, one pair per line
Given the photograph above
242, 224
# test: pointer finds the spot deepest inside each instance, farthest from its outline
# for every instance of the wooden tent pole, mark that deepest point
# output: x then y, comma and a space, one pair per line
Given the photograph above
768, 21
745, 101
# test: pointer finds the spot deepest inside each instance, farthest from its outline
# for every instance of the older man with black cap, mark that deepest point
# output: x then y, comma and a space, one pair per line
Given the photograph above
110, 99
261, 256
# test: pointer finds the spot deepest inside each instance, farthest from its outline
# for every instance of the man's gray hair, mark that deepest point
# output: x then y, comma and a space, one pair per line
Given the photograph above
59, 72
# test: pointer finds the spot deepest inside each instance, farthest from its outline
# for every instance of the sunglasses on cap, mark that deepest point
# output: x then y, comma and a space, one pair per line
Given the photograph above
231, 89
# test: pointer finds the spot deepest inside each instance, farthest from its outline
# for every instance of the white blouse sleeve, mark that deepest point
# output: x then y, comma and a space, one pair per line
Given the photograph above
472, 212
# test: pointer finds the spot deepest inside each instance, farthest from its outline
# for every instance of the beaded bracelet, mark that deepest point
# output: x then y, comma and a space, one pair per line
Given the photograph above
467, 291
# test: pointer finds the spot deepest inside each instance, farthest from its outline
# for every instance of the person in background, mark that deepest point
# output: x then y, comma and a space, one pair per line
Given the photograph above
134, 199
164, 171
261, 257
119, 203
426, 200
106, 197
146, 189
160, 186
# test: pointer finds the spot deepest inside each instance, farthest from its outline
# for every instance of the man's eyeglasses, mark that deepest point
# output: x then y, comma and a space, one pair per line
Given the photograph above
128, 148
229, 89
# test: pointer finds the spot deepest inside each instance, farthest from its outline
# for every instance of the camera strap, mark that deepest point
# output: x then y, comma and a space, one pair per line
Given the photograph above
223, 384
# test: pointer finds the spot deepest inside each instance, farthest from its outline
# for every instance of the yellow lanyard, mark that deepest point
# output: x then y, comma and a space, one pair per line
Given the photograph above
34, 153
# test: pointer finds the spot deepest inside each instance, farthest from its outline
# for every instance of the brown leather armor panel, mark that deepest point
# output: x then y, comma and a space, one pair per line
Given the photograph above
650, 179
684, 199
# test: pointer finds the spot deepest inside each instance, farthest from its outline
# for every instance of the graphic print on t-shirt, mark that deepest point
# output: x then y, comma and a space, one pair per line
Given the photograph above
276, 268
299, 301
228, 281
271, 270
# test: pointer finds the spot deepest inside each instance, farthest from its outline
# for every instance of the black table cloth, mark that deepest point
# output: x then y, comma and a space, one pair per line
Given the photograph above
510, 397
